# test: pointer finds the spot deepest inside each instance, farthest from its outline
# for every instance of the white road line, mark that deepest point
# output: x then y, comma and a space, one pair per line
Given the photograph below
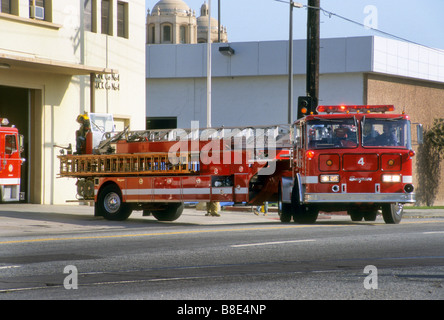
9, 267
433, 232
270, 243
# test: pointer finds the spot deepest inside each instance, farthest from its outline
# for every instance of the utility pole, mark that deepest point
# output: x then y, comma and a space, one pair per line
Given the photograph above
209, 67
313, 35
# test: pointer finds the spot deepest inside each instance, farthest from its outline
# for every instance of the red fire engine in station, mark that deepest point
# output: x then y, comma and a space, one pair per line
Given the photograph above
11, 143
356, 160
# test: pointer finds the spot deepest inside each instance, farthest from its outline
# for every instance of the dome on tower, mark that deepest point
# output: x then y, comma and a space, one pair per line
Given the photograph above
202, 21
165, 7
202, 27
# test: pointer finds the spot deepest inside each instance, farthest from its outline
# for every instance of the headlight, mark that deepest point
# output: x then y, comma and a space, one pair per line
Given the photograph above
329, 178
391, 178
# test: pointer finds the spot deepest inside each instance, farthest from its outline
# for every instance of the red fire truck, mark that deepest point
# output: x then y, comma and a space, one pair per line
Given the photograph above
350, 158
10, 162
158, 170
327, 162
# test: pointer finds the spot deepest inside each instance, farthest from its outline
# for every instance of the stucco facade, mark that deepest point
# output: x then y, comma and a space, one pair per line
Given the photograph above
80, 56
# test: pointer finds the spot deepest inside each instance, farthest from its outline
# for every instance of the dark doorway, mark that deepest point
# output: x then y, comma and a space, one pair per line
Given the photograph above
14, 105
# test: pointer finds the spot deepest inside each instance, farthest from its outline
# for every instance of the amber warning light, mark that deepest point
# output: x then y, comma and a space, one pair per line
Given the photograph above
355, 108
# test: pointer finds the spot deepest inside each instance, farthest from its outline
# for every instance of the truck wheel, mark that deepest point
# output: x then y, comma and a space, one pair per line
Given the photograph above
355, 215
284, 209
392, 212
172, 212
370, 215
305, 214
110, 204
302, 213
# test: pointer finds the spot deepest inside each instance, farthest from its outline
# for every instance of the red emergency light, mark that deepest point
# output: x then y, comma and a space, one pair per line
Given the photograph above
355, 108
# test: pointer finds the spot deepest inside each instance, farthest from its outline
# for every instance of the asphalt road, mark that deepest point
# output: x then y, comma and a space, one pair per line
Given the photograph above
50, 252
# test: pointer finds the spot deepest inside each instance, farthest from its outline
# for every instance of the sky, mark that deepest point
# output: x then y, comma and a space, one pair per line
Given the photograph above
263, 20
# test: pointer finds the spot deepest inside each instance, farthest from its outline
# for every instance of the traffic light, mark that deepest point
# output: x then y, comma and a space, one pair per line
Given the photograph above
305, 105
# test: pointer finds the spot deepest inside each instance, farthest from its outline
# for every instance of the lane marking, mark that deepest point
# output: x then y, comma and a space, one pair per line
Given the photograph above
270, 243
9, 267
433, 232
37, 240
162, 233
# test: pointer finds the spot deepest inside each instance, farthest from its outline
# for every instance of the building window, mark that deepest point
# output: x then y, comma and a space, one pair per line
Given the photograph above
88, 15
5, 6
183, 34
166, 34
106, 17
122, 19
151, 34
37, 9
9, 6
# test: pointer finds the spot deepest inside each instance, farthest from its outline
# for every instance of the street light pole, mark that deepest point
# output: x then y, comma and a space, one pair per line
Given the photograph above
218, 21
290, 61
290, 66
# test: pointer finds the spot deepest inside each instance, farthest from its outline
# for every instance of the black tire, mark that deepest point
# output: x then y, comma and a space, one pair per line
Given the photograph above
110, 205
355, 215
392, 212
171, 212
370, 215
284, 209
302, 213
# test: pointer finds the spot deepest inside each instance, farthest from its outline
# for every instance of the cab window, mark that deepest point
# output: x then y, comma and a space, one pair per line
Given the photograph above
10, 144
332, 133
386, 133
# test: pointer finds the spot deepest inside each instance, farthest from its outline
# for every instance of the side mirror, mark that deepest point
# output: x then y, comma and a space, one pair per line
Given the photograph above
21, 143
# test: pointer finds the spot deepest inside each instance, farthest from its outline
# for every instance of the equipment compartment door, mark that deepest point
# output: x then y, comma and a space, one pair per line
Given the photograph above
196, 188
167, 189
240, 188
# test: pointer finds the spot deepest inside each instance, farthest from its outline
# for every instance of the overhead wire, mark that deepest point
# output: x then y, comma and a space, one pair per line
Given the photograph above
330, 14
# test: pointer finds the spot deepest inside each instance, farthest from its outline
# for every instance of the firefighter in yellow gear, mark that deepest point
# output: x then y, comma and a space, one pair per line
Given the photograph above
85, 127
212, 208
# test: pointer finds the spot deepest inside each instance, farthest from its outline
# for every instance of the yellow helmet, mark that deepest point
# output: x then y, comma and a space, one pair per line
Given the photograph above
82, 117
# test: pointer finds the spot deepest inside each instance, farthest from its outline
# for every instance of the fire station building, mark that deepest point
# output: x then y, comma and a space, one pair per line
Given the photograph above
250, 81
59, 59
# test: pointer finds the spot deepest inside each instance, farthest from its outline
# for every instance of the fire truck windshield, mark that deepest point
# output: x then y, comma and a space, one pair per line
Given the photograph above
332, 133
386, 132
343, 133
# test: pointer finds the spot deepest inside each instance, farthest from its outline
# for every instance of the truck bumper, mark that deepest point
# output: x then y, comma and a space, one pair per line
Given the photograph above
359, 198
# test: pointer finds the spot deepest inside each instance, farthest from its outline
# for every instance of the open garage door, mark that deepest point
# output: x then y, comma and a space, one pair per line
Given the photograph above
20, 106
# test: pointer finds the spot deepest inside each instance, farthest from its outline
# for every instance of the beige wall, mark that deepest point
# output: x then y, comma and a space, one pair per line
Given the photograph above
59, 94
423, 101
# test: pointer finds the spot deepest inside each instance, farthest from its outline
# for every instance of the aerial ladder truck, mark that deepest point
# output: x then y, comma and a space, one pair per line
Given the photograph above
356, 159
158, 170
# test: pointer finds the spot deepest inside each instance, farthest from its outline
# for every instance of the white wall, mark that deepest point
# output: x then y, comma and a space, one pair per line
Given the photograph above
238, 101
250, 87
257, 58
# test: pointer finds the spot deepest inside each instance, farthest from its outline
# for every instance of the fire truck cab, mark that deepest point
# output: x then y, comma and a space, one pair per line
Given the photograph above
10, 162
350, 158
